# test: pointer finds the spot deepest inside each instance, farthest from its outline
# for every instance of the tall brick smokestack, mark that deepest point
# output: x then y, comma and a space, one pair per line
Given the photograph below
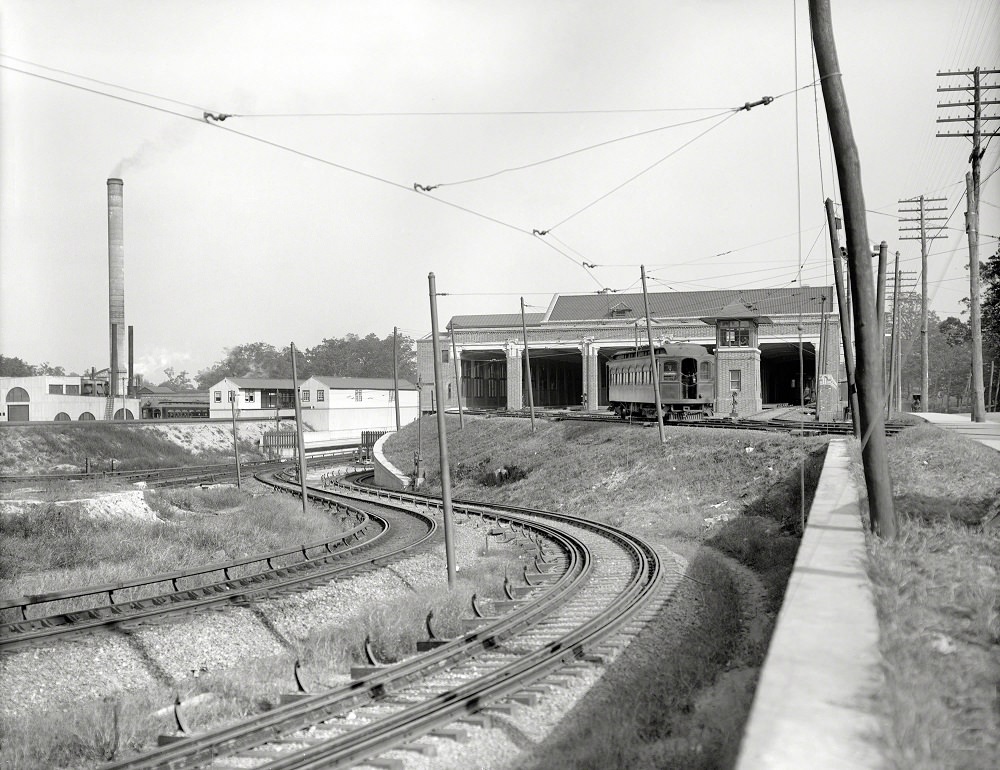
116, 284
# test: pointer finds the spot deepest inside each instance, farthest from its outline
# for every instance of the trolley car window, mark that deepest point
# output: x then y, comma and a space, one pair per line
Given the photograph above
670, 371
706, 370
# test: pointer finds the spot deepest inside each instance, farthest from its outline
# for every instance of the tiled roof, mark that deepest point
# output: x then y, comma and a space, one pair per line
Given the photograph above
496, 320
691, 304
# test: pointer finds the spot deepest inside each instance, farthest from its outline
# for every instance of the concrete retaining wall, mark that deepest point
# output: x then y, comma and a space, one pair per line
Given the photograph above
387, 475
812, 708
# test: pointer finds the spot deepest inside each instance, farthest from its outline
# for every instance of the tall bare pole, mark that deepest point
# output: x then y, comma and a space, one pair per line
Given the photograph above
236, 443
458, 380
843, 310
395, 372
873, 445
652, 359
527, 368
449, 547
300, 439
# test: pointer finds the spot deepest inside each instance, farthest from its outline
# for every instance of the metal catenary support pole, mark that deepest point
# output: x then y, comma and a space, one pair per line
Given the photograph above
844, 318
236, 442
458, 380
395, 373
527, 368
652, 358
298, 432
417, 460
449, 547
874, 453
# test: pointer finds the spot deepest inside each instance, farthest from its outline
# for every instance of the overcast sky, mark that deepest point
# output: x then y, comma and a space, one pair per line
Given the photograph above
297, 219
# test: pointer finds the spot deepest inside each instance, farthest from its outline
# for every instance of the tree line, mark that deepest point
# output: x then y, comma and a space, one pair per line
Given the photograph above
348, 356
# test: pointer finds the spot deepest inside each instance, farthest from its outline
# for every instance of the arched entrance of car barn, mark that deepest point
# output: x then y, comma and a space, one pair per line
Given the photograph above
556, 377
484, 379
779, 372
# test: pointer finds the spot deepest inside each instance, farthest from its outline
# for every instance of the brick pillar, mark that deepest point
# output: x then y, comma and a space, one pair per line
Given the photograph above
515, 375
748, 398
591, 374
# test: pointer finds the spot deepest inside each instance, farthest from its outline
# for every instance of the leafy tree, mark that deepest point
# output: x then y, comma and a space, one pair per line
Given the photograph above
47, 369
989, 283
176, 380
259, 360
11, 366
955, 331
354, 356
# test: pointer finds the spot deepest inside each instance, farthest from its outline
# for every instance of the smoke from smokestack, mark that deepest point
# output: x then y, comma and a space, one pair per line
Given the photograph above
116, 283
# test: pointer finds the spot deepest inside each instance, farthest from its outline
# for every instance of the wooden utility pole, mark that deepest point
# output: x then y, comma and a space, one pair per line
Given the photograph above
395, 372
527, 368
923, 220
893, 346
972, 212
652, 358
873, 445
449, 538
458, 380
843, 310
300, 439
236, 443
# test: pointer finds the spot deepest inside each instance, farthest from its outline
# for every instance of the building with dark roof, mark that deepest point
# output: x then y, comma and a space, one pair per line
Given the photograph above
760, 338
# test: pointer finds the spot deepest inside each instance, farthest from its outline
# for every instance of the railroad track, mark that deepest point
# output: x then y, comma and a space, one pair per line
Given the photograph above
587, 582
42, 619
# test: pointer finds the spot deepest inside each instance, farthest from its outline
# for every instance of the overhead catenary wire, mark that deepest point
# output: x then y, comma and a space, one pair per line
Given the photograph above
302, 154
533, 164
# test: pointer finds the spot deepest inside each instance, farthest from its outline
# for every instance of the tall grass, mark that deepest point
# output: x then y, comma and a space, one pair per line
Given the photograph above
54, 547
936, 591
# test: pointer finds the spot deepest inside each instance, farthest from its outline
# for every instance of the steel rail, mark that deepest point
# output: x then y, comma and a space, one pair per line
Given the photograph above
35, 600
469, 698
198, 749
228, 591
410, 723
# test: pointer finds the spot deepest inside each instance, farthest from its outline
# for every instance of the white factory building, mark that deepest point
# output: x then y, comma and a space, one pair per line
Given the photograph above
48, 398
334, 408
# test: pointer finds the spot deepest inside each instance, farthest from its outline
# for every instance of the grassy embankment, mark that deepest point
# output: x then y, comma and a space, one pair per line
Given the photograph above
937, 592
680, 694
53, 448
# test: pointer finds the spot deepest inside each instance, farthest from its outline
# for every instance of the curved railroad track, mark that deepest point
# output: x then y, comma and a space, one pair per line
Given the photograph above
588, 581
370, 539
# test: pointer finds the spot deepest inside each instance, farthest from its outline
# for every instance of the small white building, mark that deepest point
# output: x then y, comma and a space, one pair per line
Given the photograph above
333, 408
47, 398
